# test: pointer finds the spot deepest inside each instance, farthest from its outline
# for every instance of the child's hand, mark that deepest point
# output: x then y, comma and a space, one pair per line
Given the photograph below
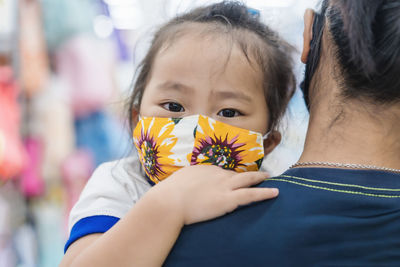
199, 193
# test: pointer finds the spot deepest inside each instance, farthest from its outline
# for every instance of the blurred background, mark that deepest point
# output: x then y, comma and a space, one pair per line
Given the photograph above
66, 70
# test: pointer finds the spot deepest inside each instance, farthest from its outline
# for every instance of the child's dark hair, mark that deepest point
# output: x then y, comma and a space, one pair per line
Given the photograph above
271, 53
366, 37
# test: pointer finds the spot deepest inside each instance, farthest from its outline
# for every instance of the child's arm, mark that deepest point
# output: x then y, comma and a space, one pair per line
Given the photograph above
147, 233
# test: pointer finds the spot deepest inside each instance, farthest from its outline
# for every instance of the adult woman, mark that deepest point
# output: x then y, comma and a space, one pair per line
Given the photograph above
340, 204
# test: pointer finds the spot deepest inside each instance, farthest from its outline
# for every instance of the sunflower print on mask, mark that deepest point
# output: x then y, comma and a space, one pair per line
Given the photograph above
154, 140
226, 146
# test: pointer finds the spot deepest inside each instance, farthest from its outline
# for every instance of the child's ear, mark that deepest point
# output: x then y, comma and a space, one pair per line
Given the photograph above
135, 116
274, 138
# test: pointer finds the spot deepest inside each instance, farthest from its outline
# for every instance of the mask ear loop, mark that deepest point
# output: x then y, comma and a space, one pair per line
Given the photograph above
265, 136
314, 55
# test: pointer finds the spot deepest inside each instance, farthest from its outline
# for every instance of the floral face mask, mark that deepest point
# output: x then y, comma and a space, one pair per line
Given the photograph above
165, 145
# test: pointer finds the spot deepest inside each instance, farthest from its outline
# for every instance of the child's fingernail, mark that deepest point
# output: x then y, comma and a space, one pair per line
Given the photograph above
275, 191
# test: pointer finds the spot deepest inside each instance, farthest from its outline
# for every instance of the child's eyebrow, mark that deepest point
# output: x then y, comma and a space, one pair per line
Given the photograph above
182, 88
175, 86
233, 95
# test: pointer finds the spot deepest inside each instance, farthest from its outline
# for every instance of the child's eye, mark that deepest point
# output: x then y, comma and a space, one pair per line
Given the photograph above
229, 113
173, 107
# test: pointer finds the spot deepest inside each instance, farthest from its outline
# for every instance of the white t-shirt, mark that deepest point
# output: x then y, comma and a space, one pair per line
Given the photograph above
109, 194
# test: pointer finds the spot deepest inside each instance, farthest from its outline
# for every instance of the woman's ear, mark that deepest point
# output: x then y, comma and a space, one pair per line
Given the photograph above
274, 138
307, 34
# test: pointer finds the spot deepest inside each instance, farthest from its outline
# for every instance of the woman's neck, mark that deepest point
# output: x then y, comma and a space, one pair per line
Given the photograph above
360, 134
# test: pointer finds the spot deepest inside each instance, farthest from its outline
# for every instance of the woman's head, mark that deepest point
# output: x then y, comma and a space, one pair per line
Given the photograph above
219, 61
362, 41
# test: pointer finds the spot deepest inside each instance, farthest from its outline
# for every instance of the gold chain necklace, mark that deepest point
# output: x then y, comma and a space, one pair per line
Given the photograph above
344, 165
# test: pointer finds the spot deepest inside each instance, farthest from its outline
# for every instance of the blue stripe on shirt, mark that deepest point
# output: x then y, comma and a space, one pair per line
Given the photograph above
90, 225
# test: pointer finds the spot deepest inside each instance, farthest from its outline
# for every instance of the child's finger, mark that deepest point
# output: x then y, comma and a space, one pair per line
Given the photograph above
247, 179
246, 196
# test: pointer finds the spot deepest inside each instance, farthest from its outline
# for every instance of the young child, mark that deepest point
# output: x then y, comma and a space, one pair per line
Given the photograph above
204, 112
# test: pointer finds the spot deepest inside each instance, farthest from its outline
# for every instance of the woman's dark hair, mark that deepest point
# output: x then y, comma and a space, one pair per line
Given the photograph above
271, 53
366, 36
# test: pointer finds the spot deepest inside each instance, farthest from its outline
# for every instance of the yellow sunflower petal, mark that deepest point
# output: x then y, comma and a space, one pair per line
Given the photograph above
250, 143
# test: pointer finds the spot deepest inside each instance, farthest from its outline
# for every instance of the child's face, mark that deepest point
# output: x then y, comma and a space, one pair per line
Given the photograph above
200, 75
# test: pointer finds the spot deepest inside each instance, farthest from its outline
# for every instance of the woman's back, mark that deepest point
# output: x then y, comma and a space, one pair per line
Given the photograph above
321, 217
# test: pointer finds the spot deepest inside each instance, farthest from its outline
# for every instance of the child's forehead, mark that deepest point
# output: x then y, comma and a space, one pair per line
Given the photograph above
201, 43
211, 33
210, 40
217, 53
